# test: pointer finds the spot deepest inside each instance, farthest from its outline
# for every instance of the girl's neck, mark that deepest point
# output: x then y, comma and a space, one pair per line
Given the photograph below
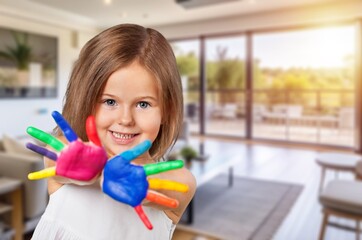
142, 161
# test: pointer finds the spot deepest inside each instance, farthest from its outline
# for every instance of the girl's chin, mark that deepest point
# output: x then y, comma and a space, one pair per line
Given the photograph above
116, 151
117, 148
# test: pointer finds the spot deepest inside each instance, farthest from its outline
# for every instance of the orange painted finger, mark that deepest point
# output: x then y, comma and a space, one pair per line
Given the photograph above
155, 183
162, 200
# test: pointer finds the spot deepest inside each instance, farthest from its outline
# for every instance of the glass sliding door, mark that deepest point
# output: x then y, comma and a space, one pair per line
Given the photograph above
187, 54
225, 86
304, 85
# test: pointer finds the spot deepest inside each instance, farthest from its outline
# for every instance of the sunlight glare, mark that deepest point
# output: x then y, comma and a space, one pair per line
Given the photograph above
323, 47
330, 47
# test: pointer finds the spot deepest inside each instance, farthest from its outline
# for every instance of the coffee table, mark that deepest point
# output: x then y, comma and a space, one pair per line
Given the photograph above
206, 170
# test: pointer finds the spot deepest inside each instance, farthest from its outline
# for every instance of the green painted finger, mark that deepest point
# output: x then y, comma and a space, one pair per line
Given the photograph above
45, 138
155, 168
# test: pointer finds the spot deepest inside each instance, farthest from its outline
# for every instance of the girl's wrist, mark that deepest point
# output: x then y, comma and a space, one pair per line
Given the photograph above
64, 180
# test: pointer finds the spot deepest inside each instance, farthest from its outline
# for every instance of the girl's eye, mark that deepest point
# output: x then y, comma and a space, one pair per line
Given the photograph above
143, 104
110, 102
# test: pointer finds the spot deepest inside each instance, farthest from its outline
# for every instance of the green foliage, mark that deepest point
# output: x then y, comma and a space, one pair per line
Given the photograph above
20, 54
304, 86
193, 83
225, 74
259, 80
188, 153
187, 64
228, 73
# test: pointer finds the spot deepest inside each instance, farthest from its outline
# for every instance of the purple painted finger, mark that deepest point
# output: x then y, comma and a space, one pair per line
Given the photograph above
43, 151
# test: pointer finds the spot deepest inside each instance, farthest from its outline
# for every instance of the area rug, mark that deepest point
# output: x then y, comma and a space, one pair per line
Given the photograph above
251, 209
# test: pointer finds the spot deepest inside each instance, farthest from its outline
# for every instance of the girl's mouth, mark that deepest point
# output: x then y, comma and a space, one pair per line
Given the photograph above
123, 138
122, 135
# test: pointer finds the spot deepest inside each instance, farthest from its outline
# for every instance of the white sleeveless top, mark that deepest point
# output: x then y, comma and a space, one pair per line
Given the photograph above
86, 213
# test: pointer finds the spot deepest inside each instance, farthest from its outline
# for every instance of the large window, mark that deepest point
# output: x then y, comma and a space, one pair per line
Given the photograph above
301, 85
225, 86
304, 85
187, 55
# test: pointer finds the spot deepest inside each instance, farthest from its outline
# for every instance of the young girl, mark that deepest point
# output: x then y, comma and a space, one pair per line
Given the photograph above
127, 78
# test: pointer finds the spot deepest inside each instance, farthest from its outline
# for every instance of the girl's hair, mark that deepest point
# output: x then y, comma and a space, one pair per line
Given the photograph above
111, 50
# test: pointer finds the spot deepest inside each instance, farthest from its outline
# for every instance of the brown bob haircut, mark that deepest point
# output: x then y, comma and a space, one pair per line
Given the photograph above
111, 50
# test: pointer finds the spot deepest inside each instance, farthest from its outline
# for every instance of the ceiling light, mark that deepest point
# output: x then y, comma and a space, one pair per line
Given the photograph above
108, 2
201, 3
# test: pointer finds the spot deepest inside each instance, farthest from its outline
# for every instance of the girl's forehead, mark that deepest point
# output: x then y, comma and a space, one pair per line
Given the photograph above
131, 80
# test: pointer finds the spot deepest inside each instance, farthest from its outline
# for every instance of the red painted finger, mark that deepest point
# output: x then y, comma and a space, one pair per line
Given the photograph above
92, 131
143, 216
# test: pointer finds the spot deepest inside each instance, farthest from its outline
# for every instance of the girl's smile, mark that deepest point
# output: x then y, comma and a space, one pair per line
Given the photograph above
123, 138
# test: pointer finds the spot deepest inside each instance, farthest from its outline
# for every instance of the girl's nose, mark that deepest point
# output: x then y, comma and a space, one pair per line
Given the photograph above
126, 117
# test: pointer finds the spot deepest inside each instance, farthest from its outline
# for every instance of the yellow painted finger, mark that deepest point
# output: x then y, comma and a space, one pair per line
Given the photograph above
45, 173
155, 183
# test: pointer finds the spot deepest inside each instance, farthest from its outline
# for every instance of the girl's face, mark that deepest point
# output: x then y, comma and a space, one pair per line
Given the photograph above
129, 110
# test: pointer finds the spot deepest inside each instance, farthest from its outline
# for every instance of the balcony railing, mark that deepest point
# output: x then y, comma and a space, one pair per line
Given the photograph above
313, 116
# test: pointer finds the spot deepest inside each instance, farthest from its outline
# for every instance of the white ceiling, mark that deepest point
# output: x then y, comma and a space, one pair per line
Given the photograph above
146, 12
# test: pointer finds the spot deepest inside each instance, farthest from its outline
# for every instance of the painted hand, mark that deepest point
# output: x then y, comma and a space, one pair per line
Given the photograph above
77, 160
128, 183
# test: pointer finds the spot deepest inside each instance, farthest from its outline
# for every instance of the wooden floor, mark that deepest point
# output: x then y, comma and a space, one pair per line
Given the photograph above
285, 164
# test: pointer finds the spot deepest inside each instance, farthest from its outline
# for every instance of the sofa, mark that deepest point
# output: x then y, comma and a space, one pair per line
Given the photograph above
16, 162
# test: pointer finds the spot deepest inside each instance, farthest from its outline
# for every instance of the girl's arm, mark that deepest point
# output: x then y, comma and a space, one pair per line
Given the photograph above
184, 176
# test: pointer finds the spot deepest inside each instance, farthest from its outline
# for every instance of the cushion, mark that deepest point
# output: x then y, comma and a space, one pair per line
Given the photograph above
343, 195
13, 146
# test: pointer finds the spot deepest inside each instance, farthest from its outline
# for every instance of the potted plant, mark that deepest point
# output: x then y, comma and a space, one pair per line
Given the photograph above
188, 153
20, 56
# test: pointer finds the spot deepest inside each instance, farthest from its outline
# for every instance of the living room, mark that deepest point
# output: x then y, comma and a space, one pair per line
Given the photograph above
274, 131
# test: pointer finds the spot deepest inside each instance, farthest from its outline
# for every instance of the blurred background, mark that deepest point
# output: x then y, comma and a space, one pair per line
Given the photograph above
272, 82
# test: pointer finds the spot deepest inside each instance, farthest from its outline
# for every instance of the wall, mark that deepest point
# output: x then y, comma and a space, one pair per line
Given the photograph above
18, 114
